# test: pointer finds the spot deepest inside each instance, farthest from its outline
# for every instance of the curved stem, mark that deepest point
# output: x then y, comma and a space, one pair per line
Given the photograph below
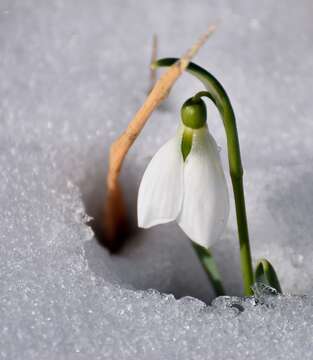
219, 96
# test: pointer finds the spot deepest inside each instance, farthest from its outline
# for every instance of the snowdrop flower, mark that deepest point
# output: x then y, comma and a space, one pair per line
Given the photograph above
185, 181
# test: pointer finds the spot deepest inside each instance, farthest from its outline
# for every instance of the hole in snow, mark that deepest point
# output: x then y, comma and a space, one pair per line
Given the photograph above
93, 194
160, 258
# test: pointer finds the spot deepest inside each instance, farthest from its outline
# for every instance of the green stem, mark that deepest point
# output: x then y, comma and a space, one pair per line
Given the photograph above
210, 267
219, 96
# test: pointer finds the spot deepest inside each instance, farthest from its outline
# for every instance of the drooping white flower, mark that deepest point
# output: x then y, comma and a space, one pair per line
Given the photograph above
192, 191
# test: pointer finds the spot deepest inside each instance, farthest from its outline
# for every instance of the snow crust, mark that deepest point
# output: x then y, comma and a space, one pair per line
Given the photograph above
72, 74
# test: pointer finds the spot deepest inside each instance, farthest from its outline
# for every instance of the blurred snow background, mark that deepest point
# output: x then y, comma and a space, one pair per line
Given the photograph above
72, 74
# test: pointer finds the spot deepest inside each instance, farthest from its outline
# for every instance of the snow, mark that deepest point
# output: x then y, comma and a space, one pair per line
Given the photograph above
72, 73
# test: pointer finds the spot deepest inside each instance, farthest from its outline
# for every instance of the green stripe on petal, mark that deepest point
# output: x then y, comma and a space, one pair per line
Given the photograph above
186, 143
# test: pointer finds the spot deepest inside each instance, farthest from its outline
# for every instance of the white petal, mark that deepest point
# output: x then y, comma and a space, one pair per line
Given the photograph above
161, 189
206, 203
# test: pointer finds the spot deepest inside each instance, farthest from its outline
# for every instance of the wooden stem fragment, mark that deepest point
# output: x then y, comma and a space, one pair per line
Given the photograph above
154, 57
115, 214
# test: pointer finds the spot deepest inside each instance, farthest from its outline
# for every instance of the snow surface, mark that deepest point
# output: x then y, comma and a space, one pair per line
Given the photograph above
72, 73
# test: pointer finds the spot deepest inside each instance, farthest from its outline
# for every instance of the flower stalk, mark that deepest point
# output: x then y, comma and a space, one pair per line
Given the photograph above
219, 96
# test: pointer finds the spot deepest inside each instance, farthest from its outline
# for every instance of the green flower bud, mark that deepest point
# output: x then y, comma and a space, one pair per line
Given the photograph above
193, 113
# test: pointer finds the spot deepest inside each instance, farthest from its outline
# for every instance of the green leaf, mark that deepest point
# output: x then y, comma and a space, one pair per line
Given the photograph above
266, 274
210, 268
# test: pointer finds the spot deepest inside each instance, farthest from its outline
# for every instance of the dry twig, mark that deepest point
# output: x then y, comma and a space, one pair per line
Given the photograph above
154, 57
115, 211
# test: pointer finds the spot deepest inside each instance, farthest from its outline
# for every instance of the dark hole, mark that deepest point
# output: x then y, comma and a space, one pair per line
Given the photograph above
161, 258
94, 198
238, 307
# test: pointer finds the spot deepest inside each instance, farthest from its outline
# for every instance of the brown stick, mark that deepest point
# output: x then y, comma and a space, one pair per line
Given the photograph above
154, 57
120, 147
